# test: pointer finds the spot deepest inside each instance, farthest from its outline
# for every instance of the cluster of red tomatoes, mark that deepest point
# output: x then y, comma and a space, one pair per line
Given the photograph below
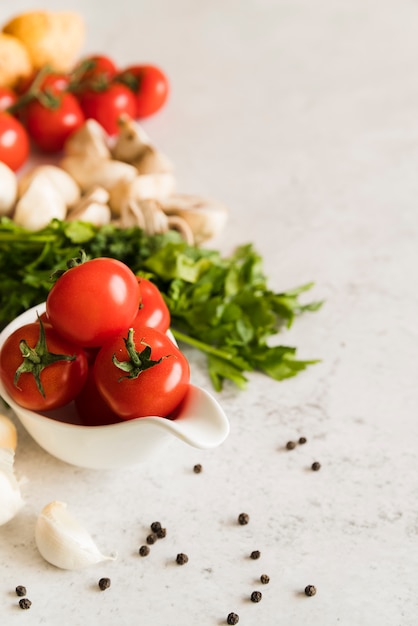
101, 343
50, 106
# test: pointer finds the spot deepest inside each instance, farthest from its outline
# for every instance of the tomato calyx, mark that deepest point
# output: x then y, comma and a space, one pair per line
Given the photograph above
36, 359
138, 361
74, 262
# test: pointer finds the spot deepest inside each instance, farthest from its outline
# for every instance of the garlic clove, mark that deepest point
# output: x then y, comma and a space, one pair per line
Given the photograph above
63, 542
131, 141
8, 189
90, 140
64, 184
92, 172
39, 205
10, 497
205, 217
92, 208
8, 433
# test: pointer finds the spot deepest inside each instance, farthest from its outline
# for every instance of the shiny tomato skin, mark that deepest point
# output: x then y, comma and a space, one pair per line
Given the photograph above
156, 391
102, 68
50, 127
93, 301
8, 97
92, 407
62, 381
107, 105
150, 86
14, 142
153, 311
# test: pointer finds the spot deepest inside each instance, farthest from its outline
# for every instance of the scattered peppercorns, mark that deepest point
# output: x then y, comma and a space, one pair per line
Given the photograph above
144, 551
256, 596
151, 539
302, 440
155, 527
197, 468
20, 590
316, 466
310, 590
182, 558
232, 618
161, 533
255, 554
25, 603
264, 579
243, 519
104, 583
290, 445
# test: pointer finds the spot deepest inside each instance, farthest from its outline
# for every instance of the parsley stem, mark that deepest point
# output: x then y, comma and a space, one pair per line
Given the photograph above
200, 345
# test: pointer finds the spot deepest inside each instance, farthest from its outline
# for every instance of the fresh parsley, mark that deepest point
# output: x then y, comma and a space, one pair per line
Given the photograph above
219, 305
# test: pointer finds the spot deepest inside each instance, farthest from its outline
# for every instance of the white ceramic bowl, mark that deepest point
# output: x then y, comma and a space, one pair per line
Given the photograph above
200, 422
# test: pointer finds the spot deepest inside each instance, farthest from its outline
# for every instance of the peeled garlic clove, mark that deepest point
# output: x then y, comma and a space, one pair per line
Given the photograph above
39, 205
8, 189
63, 542
64, 184
205, 217
10, 496
90, 140
8, 433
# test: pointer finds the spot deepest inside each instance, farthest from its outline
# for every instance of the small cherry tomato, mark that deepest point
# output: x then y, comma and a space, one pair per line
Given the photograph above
50, 125
93, 69
142, 373
150, 86
14, 142
8, 97
107, 105
55, 82
93, 301
63, 367
153, 311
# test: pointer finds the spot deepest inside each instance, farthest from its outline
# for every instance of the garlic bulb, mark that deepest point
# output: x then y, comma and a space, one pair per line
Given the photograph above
8, 433
63, 542
10, 496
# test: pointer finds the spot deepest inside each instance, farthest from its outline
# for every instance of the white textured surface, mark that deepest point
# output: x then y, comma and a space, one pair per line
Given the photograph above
301, 116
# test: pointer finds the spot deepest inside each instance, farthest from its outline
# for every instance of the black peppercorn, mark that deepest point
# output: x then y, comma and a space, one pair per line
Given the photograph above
155, 527
255, 554
25, 603
310, 590
104, 583
232, 618
290, 445
161, 533
20, 590
256, 596
316, 466
144, 550
264, 579
197, 468
243, 519
181, 558
151, 539
302, 440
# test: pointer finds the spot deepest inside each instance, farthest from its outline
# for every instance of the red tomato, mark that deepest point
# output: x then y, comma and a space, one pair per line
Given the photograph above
55, 82
92, 302
61, 380
7, 98
158, 389
14, 142
153, 311
49, 127
107, 105
96, 67
92, 407
150, 86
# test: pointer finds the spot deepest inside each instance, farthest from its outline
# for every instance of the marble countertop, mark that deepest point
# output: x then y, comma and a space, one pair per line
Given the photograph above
302, 118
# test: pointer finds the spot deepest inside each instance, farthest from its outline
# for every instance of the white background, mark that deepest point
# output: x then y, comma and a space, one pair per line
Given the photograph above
302, 117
